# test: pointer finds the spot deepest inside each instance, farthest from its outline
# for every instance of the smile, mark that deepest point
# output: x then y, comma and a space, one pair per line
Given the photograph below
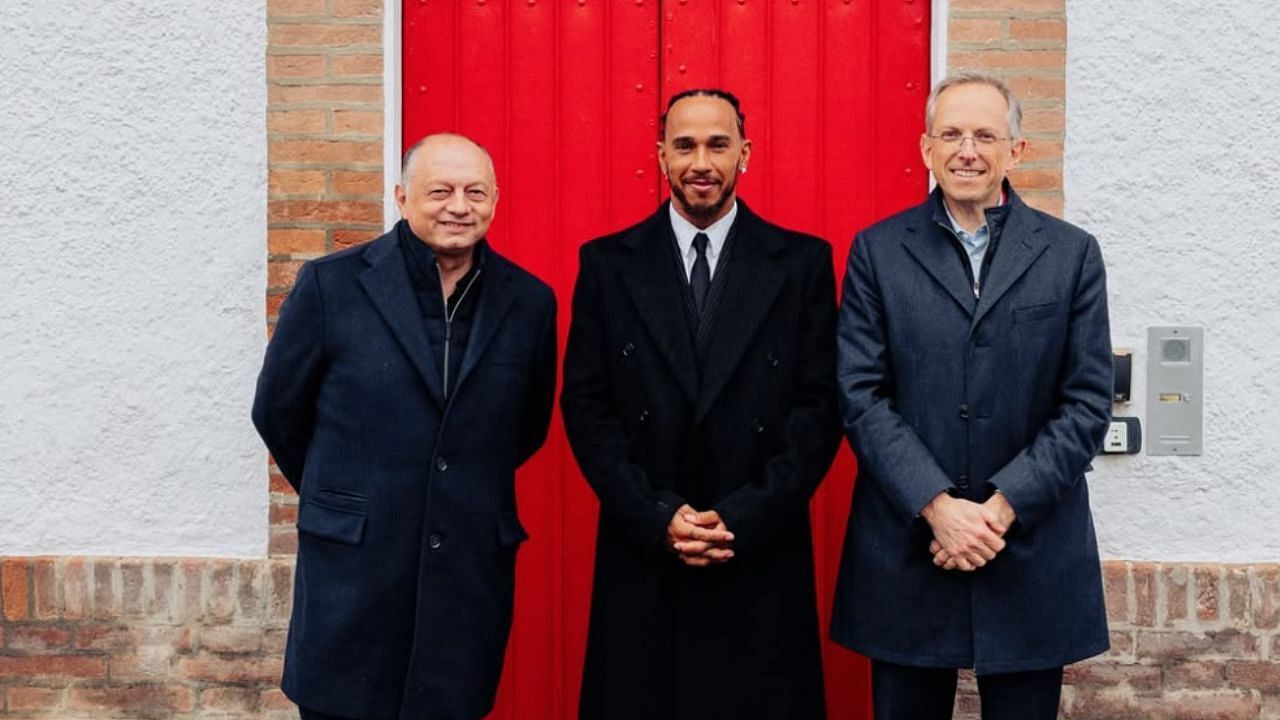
966, 172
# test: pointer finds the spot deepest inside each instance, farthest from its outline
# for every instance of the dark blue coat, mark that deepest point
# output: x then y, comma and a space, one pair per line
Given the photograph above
942, 392
407, 531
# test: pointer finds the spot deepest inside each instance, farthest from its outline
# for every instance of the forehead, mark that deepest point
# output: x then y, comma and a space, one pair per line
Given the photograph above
702, 116
972, 105
452, 163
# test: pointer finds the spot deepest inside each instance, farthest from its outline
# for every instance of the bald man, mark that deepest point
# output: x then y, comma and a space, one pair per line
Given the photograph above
406, 381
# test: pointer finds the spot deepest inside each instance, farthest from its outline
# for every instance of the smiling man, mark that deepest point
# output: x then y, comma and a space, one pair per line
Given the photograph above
699, 400
406, 381
975, 380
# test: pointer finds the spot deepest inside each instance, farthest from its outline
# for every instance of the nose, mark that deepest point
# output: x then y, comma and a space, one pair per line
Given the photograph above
702, 159
968, 146
458, 203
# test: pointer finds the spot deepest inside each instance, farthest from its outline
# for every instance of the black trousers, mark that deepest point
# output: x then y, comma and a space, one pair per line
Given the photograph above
305, 714
911, 693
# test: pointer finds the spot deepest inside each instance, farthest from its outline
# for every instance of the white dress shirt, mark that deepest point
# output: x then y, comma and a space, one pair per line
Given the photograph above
716, 234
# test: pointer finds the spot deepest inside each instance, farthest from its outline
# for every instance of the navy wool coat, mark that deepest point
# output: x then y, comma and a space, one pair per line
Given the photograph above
407, 530
944, 392
749, 431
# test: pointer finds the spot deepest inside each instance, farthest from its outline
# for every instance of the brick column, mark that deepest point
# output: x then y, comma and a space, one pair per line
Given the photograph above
1024, 42
324, 132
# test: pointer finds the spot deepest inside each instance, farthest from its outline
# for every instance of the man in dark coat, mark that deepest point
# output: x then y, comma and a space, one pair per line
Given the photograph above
406, 381
699, 400
975, 379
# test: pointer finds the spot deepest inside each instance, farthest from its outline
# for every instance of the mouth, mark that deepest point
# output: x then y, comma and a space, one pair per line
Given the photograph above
967, 173
458, 226
702, 184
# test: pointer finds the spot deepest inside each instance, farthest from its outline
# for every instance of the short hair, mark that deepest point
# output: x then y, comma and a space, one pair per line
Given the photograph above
724, 95
412, 152
975, 77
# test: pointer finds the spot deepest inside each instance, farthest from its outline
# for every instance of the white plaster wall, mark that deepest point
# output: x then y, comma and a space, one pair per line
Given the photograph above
1173, 160
132, 268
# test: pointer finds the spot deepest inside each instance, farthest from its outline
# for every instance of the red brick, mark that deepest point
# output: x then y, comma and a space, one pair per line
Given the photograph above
51, 666
250, 590
279, 485
343, 239
104, 605
278, 8
38, 638
1011, 6
357, 8
131, 585
44, 586
1206, 584
295, 121
1044, 121
191, 590
233, 699
13, 588
31, 699
357, 122
1043, 151
322, 35
1264, 676
1266, 614
274, 699
152, 638
137, 699
1023, 60
273, 641
295, 66
325, 211
1044, 179
1174, 580
1038, 31
1195, 676
112, 639
75, 589
1121, 644
286, 241
974, 30
1108, 674
1115, 583
1175, 646
283, 514
283, 541
350, 182
209, 668
281, 273
1038, 87
356, 65
1238, 592
1144, 594
280, 596
324, 93
1207, 706
325, 151
219, 602
160, 603
310, 182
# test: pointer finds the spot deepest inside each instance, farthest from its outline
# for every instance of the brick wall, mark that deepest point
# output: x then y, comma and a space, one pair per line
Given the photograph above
324, 132
1025, 42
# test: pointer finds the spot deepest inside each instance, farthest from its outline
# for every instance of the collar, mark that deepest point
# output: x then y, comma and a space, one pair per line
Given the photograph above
716, 232
995, 216
422, 254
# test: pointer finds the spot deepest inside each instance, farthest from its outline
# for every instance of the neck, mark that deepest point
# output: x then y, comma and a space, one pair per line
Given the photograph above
970, 216
452, 268
702, 223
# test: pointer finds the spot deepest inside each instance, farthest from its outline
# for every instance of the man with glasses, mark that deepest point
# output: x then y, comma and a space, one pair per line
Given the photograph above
975, 380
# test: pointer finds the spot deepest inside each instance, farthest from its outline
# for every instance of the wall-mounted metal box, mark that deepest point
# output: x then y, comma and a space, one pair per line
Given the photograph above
1175, 384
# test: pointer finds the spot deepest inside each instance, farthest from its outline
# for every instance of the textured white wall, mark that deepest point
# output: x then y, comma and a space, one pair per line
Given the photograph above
1173, 160
132, 266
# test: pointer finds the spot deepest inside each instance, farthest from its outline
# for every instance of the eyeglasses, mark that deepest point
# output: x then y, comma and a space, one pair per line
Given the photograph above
955, 137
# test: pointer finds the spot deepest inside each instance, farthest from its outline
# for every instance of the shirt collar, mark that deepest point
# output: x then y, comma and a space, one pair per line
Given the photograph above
982, 229
716, 232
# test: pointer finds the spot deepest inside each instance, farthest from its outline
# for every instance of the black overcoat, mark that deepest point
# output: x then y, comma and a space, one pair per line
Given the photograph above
944, 392
407, 530
750, 435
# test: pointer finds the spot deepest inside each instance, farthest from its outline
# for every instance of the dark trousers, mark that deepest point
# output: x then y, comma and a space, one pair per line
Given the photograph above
910, 693
305, 714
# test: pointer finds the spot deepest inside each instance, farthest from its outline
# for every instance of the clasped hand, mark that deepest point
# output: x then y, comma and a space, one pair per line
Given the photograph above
967, 535
699, 539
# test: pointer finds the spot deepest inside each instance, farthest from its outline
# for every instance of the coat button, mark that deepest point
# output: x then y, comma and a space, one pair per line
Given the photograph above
964, 412
628, 350
434, 541
772, 359
757, 426
643, 417
442, 464
962, 482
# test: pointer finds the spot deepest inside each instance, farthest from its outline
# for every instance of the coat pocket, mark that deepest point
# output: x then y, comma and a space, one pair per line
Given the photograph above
330, 523
1039, 311
510, 532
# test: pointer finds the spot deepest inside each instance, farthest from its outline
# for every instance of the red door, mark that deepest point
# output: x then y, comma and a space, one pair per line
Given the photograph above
565, 94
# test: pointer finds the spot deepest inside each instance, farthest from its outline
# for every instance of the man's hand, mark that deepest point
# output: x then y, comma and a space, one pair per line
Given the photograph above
699, 538
966, 535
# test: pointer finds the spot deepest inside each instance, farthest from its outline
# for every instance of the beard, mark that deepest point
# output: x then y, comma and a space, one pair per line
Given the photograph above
706, 212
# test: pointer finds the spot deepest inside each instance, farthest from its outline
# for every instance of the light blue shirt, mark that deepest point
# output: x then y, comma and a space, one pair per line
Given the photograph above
975, 244
716, 234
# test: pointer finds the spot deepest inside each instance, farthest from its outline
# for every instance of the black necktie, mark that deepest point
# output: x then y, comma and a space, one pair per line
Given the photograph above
700, 277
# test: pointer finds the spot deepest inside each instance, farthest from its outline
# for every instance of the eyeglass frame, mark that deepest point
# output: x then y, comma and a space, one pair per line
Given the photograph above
973, 138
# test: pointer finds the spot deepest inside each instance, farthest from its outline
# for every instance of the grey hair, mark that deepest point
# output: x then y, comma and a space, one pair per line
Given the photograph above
412, 152
971, 77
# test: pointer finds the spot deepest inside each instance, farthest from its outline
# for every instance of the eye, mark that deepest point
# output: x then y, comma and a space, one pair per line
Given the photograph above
438, 193
986, 137
477, 194
950, 135
720, 145
682, 145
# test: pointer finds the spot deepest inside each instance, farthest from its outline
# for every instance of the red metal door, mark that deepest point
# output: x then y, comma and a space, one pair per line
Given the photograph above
565, 95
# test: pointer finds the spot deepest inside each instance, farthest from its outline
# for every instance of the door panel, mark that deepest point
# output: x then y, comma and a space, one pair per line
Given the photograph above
565, 94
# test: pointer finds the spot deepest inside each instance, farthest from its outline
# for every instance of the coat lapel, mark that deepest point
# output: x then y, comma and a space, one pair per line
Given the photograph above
1019, 245
751, 287
387, 284
654, 286
496, 300
936, 254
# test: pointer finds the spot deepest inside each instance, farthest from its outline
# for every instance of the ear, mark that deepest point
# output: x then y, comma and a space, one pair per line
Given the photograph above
745, 156
926, 151
401, 197
1016, 149
662, 159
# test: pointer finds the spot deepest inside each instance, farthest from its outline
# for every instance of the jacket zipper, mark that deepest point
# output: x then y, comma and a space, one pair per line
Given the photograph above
448, 319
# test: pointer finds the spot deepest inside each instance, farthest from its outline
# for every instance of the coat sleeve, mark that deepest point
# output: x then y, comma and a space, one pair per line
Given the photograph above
596, 434
540, 397
1056, 459
284, 406
756, 511
890, 453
